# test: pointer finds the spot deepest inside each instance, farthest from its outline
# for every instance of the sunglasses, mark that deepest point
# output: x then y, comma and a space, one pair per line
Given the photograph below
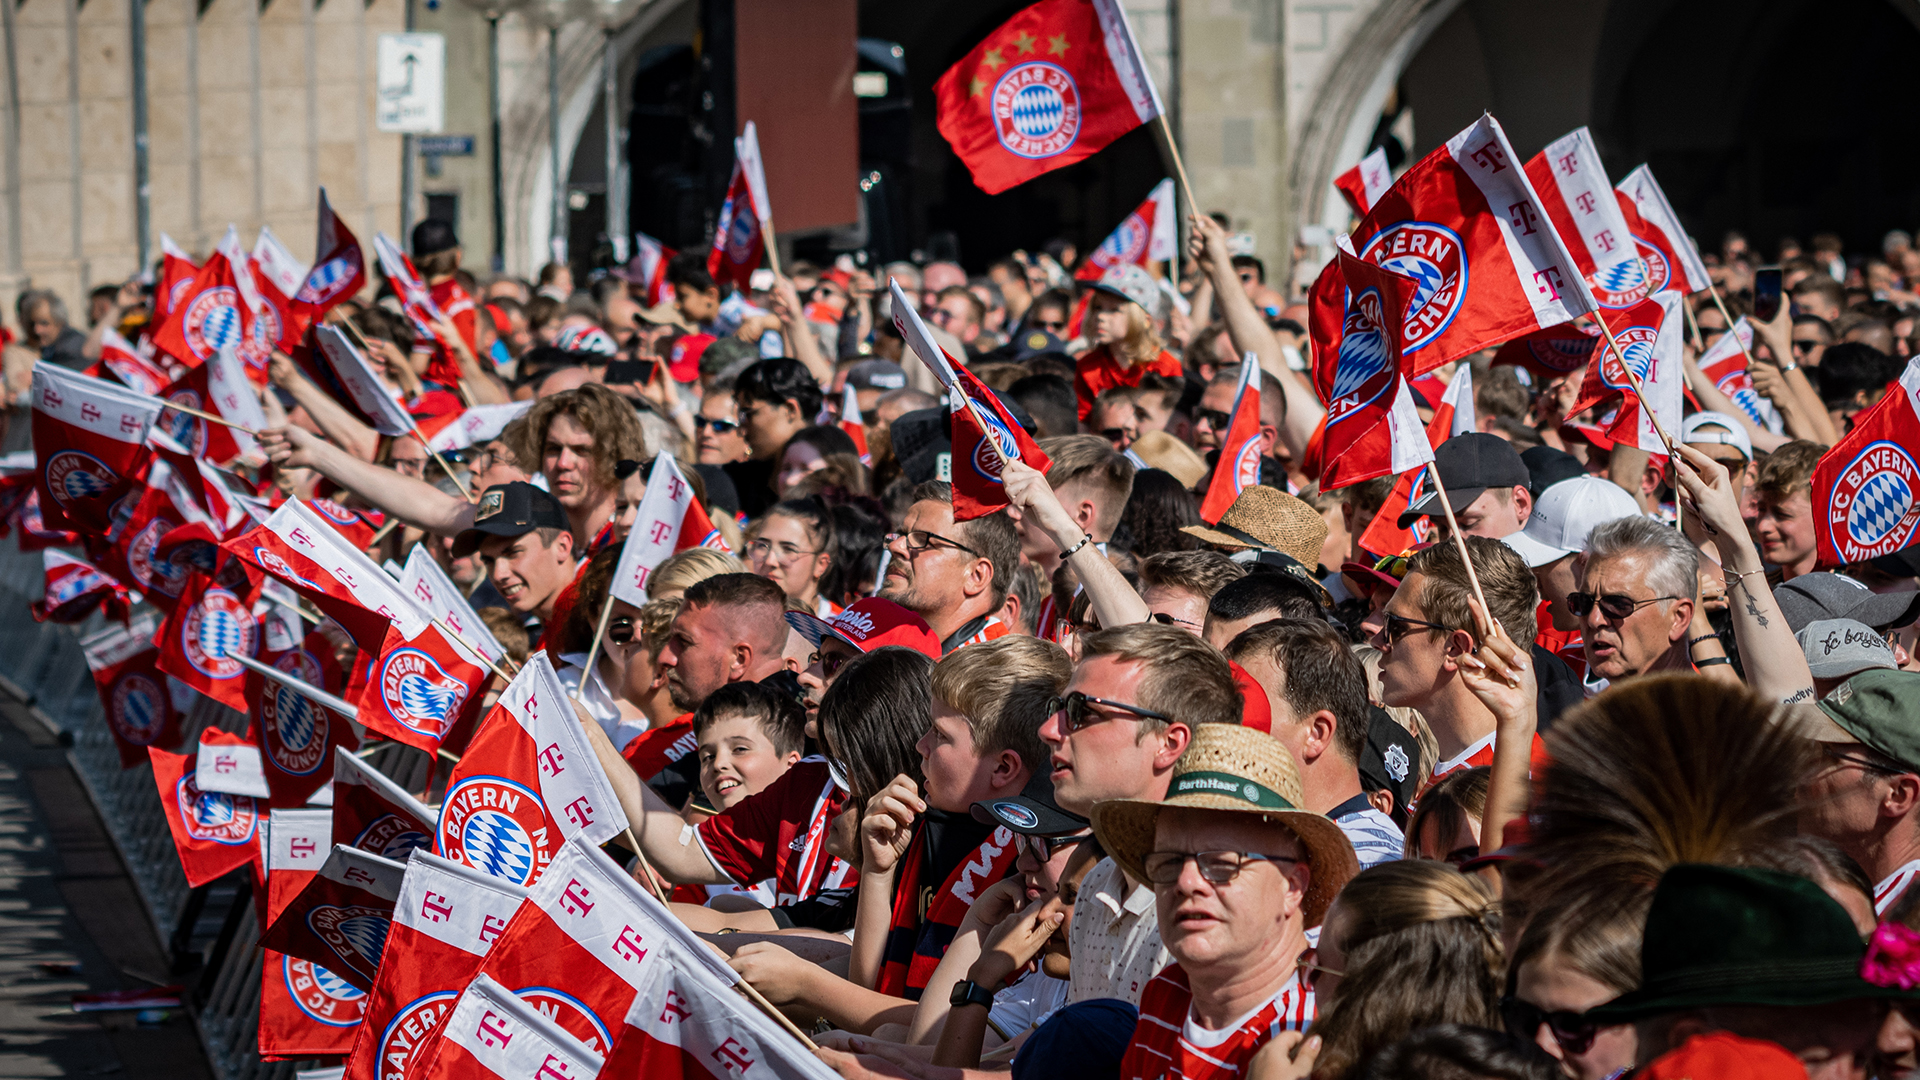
1045, 847
1217, 867
720, 427
919, 540
1213, 418
1573, 1031
1079, 712
1613, 605
1310, 972
1165, 619
1399, 626
620, 631
1052, 326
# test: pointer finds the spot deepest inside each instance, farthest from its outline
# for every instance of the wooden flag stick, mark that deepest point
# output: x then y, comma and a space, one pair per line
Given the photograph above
1185, 185
773, 248
1665, 440
779, 1017
1473, 578
381, 534
221, 420
465, 491
449, 631
593, 651
1693, 326
646, 868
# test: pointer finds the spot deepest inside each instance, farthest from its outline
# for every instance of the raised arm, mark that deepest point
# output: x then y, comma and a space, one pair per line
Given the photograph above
482, 386
414, 502
1115, 603
1805, 413
800, 340
1250, 334
346, 430
129, 295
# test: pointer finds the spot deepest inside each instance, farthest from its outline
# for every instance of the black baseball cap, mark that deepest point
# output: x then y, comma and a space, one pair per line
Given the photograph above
1390, 759
1032, 812
1468, 465
1824, 595
1547, 466
432, 237
509, 510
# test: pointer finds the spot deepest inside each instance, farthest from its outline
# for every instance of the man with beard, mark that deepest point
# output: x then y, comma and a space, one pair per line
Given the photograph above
955, 575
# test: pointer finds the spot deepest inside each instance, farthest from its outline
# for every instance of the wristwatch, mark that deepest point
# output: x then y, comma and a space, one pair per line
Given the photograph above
968, 992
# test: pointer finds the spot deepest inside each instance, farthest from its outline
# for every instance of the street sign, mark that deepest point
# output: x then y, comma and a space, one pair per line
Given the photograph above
445, 146
411, 83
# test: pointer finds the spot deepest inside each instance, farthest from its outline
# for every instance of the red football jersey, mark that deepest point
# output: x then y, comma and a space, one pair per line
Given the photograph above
1168, 1045
780, 832
1098, 372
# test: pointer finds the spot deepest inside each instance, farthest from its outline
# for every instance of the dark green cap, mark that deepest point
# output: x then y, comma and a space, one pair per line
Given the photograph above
1879, 708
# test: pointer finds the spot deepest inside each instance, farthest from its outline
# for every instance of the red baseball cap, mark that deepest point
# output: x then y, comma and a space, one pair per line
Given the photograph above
868, 624
684, 364
1258, 712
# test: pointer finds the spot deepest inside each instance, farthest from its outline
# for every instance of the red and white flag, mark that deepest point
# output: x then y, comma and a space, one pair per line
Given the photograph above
668, 520
1149, 234
340, 918
1363, 184
339, 270
1649, 334
437, 595
1051, 86
74, 588
654, 257
212, 622
1468, 227
1455, 414
1726, 364
739, 234
133, 692
1864, 503
492, 1033
123, 360
216, 311
1554, 352
221, 387
374, 814
277, 276
977, 459
213, 832
230, 764
297, 731
35, 535
177, 271
1385, 535
1643, 191
526, 783
368, 396
853, 423
305, 1008
134, 554
445, 919
416, 299
1581, 203
91, 437
479, 424
1372, 427
1238, 466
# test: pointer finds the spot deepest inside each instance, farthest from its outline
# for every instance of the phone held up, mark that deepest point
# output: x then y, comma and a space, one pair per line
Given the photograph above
1766, 293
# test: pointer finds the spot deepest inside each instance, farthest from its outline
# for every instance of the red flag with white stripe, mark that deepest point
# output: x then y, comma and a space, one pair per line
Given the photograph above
853, 423
479, 424
1649, 333
1643, 191
217, 310
739, 234
221, 387
1372, 428
1726, 364
1580, 202
297, 732
133, 692
668, 520
1554, 352
341, 916
374, 814
278, 276
1455, 415
213, 832
1363, 184
339, 270
654, 257
177, 271
124, 361
74, 588
1149, 234
492, 1033
1238, 466
1864, 503
91, 438
305, 1008
211, 624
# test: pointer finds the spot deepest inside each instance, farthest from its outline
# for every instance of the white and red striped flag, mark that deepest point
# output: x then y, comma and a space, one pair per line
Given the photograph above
1581, 204
277, 275
305, 1008
177, 271
1363, 184
654, 257
739, 234
492, 1033
669, 519
1643, 191
374, 814
1372, 426
1150, 234
341, 916
441, 599
91, 439
221, 387
367, 395
74, 587
481, 423
339, 270
124, 361
1238, 466
1725, 363
1649, 334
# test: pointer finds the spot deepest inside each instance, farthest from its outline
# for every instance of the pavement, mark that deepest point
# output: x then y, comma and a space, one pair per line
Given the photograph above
71, 922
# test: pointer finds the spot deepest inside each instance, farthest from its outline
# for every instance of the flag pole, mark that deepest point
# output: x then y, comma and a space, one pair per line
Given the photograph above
221, 420
381, 534
1693, 325
1473, 579
779, 1017
1186, 185
465, 493
773, 247
1665, 440
449, 631
593, 651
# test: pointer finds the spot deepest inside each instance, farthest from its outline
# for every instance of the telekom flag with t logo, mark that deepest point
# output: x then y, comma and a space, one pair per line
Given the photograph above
91, 440
669, 519
341, 916
429, 586
1864, 489
1689, 272
527, 782
492, 1033
305, 1008
1372, 426
1581, 204
1363, 184
1649, 334
445, 920
1725, 363
1467, 226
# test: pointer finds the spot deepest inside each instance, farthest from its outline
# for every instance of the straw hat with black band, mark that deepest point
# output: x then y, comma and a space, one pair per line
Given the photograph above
1234, 770
1264, 517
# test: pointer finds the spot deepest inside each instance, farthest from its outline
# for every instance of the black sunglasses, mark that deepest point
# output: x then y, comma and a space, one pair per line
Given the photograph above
1215, 419
1573, 1031
720, 427
1077, 707
1399, 626
620, 631
1612, 605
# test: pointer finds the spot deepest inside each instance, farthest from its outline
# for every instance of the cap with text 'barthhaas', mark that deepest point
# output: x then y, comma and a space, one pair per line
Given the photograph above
509, 510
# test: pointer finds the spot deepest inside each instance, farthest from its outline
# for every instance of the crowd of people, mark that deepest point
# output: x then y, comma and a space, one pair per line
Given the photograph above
1619, 778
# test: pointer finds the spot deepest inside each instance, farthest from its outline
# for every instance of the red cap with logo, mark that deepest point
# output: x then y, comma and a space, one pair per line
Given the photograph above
1258, 711
871, 623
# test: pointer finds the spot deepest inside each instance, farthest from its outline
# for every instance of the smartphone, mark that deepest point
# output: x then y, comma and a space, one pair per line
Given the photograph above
1766, 293
629, 371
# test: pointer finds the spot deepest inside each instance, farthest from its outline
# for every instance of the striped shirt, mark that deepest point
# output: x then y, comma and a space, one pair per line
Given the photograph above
1893, 887
1375, 838
1169, 1043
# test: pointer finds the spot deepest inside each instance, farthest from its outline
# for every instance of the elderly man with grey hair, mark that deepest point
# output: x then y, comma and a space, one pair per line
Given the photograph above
1639, 586
43, 320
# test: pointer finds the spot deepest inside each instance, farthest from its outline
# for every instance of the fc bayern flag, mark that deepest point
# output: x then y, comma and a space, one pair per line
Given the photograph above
216, 311
1726, 364
1554, 352
1149, 234
1667, 235
177, 271
1585, 211
74, 588
367, 396
1363, 184
339, 270
214, 832
134, 555
739, 235
375, 814
278, 276
527, 782
977, 490
219, 386
669, 520
122, 359
212, 622
1052, 86
1372, 426
340, 918
305, 1008
1237, 467
133, 692
492, 1033
480, 424
1649, 334
415, 298
358, 526
35, 534
91, 437
654, 257
1455, 416
437, 595
854, 424
445, 920
1864, 503
1465, 223
296, 733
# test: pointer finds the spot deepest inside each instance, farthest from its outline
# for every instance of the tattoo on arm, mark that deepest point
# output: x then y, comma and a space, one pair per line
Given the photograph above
1801, 694
1753, 609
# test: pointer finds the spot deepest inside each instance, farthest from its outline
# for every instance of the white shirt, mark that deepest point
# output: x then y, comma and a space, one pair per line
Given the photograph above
1375, 838
599, 700
1893, 886
1115, 937
1026, 1004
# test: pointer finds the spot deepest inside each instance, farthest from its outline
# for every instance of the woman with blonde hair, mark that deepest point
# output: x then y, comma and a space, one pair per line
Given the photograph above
1126, 349
682, 570
1406, 945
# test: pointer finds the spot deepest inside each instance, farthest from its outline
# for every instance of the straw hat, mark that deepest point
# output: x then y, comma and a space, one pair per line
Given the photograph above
1162, 451
1264, 517
1235, 770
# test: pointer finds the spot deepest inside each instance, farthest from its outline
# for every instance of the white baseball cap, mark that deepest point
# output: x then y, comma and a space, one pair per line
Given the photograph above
1735, 434
1565, 514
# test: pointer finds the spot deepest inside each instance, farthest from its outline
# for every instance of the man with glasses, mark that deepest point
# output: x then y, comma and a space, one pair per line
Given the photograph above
955, 575
866, 624
1809, 339
716, 430
1239, 873
1179, 585
1137, 696
1866, 796
1639, 587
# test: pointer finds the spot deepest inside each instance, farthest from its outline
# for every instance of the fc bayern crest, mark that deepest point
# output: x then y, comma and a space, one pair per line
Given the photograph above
212, 321
272, 563
182, 428
1434, 258
1036, 109
986, 461
334, 512
1561, 354
217, 628
570, 1013
1364, 369
296, 729
742, 229
411, 1028
1636, 344
418, 694
324, 282
138, 710
257, 349
392, 837
356, 934
1874, 511
323, 996
215, 816
1246, 467
73, 476
1126, 244
496, 826
163, 576
1628, 283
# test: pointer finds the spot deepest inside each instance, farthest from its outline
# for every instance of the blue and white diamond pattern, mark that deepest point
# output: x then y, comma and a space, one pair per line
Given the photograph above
367, 934
84, 484
220, 633
334, 986
498, 845
422, 698
295, 716
1037, 110
1426, 273
1622, 276
222, 327
1878, 509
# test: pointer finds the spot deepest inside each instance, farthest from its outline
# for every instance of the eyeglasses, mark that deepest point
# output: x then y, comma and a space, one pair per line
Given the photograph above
1116, 435
1573, 1031
1045, 847
720, 427
1218, 867
830, 663
919, 540
620, 631
1310, 972
1613, 605
1079, 715
1052, 326
1805, 346
1164, 619
1399, 626
782, 552
1841, 757
1213, 418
